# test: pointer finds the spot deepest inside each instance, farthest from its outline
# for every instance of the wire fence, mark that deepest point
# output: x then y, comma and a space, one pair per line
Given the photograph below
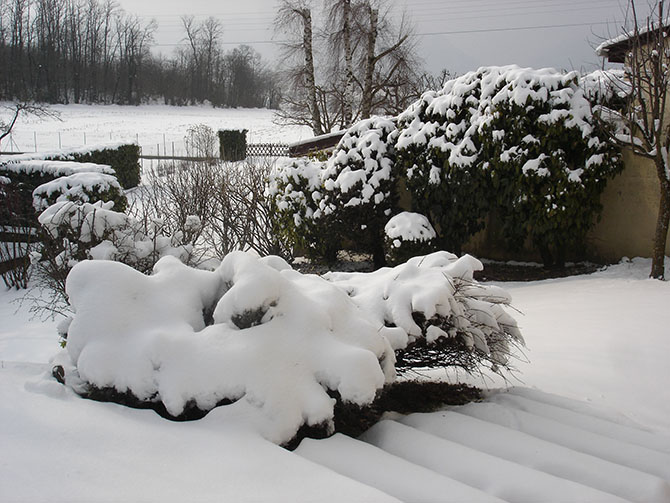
153, 145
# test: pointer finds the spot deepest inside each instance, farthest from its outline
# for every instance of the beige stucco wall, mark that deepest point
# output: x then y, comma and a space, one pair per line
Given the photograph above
630, 207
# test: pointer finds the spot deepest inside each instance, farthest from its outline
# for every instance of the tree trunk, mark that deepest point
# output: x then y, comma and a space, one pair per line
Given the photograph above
370, 61
309, 72
661, 235
347, 108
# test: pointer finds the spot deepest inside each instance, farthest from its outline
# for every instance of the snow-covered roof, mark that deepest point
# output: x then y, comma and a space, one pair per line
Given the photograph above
615, 48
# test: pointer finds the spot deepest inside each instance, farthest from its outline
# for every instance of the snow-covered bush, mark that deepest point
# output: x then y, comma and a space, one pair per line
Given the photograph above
254, 332
517, 139
407, 235
26, 174
548, 159
436, 314
270, 344
350, 196
296, 189
73, 232
82, 187
359, 183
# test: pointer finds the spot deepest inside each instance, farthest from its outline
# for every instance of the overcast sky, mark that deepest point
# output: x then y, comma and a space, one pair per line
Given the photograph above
459, 35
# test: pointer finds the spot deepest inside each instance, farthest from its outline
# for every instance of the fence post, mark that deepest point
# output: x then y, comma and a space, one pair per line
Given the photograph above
35, 139
60, 144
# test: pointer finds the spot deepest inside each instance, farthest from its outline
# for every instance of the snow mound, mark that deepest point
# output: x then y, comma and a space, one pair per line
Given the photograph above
407, 226
254, 331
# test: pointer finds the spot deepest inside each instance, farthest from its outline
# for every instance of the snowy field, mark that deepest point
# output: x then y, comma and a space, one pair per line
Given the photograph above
601, 339
156, 128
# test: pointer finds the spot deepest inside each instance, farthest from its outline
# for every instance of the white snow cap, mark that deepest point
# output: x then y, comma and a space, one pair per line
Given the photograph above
407, 226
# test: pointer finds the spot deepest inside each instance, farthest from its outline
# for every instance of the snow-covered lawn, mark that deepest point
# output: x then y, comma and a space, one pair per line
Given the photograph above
602, 339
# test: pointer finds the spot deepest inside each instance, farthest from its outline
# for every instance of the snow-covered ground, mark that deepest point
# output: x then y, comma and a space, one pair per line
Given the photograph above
156, 128
600, 342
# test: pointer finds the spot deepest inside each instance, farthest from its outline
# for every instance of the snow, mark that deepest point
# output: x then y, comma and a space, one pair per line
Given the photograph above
154, 127
361, 461
599, 342
407, 226
539, 454
496, 476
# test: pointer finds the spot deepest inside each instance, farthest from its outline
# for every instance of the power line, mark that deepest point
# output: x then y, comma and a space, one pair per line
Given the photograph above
516, 28
428, 34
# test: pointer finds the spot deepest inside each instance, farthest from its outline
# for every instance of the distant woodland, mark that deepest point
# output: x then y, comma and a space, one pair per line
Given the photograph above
91, 51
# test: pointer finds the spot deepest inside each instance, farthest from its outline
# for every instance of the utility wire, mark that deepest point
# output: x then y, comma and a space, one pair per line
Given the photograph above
428, 34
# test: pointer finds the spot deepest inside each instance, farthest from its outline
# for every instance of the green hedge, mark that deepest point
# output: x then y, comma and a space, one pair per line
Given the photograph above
233, 145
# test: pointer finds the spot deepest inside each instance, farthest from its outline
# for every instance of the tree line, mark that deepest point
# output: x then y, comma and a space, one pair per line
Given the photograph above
92, 51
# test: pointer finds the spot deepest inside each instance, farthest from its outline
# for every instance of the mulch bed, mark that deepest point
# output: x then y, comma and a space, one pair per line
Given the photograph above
503, 271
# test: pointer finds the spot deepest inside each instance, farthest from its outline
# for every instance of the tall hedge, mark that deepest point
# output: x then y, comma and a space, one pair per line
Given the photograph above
233, 145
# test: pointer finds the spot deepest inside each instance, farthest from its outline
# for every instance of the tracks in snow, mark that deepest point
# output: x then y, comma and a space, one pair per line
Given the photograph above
517, 446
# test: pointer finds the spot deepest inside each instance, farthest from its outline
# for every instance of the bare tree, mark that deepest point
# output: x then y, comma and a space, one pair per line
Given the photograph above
370, 61
646, 128
297, 15
26, 109
390, 63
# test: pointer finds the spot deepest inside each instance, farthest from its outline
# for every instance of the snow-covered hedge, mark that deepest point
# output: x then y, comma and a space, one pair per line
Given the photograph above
83, 187
253, 331
122, 158
277, 343
436, 313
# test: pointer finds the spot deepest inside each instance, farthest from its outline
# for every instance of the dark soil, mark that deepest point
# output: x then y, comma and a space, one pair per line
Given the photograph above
504, 271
